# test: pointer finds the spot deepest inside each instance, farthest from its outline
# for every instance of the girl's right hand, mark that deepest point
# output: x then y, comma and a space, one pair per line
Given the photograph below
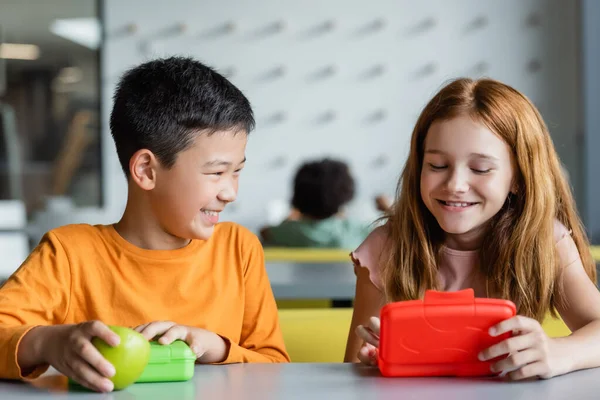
370, 335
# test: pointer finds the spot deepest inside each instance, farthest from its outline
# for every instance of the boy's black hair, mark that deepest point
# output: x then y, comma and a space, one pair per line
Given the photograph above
161, 106
322, 187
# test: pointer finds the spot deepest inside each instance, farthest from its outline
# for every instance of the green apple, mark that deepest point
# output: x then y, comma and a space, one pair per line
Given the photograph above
129, 358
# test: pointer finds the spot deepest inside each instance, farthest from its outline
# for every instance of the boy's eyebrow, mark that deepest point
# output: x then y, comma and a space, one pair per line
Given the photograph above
218, 163
477, 155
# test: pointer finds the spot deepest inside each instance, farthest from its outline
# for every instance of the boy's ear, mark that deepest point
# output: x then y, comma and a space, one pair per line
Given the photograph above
142, 169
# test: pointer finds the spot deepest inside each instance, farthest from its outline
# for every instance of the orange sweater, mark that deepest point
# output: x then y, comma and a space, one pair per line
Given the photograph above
82, 272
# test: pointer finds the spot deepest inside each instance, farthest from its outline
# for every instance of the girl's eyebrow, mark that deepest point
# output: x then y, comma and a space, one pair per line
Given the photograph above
484, 156
476, 155
434, 151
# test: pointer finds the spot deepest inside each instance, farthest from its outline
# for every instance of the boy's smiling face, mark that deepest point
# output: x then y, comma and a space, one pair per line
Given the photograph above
188, 197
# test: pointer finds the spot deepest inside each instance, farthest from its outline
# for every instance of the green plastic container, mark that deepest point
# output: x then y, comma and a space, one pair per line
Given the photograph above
171, 363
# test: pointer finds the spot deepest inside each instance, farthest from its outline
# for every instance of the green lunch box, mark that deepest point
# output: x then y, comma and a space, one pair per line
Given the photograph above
171, 363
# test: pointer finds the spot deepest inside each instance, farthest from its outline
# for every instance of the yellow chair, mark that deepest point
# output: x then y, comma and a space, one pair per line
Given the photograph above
317, 255
319, 335
306, 255
303, 303
555, 327
595, 253
315, 335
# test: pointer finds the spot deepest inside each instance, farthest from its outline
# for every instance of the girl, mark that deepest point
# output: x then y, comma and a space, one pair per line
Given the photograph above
482, 204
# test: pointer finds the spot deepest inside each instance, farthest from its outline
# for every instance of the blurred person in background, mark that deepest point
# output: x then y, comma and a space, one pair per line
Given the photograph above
321, 190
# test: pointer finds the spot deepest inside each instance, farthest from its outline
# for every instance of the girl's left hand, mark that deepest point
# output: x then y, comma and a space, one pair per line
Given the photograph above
370, 335
531, 353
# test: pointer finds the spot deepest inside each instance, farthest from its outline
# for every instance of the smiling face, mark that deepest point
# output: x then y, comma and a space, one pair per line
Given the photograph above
189, 196
466, 176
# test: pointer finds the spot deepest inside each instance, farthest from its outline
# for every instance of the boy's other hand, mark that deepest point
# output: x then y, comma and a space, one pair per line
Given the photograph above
383, 203
294, 215
69, 349
208, 346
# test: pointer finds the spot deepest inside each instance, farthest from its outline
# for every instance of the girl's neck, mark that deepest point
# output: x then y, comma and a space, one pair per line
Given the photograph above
467, 241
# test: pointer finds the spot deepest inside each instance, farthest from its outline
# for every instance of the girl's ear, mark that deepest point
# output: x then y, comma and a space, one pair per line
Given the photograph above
514, 188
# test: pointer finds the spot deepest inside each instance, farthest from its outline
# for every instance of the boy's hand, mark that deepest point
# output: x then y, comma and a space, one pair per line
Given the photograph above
294, 215
370, 334
531, 353
208, 346
69, 349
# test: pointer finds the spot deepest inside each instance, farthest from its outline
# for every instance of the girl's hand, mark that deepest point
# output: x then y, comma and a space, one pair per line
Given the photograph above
531, 353
370, 334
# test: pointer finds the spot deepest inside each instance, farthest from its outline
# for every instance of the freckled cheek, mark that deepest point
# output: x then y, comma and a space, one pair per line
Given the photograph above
493, 189
430, 184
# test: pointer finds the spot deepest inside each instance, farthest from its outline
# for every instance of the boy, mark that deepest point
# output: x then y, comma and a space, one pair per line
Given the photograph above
166, 268
321, 189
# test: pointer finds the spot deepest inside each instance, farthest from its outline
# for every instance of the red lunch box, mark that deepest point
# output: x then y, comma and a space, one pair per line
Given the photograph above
440, 335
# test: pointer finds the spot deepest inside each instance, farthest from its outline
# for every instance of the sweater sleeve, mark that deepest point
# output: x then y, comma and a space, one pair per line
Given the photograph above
36, 294
261, 339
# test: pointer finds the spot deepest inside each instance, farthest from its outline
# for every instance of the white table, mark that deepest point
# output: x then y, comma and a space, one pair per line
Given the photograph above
317, 381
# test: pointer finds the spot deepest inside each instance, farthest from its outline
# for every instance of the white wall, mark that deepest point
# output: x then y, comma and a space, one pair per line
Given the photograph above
530, 44
590, 11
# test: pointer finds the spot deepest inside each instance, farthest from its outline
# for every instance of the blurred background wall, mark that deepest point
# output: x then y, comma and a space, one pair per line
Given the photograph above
339, 78
348, 78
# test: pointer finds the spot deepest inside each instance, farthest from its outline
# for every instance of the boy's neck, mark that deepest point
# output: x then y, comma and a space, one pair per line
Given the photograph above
140, 228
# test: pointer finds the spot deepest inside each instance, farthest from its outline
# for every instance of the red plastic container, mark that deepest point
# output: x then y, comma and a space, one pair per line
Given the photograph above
440, 335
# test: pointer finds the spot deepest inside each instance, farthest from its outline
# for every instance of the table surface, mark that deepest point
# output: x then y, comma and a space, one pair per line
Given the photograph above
314, 382
294, 280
